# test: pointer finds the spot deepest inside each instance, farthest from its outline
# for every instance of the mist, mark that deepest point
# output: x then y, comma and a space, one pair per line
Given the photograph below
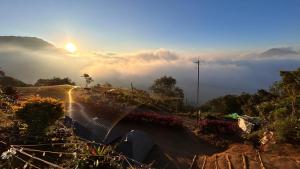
218, 75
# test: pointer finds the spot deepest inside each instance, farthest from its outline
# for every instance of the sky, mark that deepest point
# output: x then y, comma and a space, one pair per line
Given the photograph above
241, 44
135, 25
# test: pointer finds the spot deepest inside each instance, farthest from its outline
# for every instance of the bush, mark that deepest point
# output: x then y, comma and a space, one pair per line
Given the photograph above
219, 127
54, 81
287, 130
40, 113
155, 118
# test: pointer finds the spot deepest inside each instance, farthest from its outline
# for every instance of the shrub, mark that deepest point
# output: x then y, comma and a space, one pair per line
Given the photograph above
40, 113
155, 118
287, 130
219, 127
54, 81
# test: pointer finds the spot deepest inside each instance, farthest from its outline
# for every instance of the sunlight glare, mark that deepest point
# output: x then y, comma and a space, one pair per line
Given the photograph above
70, 47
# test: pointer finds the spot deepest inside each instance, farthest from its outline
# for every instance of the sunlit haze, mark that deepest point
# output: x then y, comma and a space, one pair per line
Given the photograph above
70, 47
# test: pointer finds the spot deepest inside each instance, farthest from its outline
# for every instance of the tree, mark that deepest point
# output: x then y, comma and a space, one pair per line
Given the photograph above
291, 85
54, 81
88, 79
166, 86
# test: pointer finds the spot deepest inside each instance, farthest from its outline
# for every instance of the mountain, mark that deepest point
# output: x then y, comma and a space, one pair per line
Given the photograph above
10, 81
279, 52
32, 43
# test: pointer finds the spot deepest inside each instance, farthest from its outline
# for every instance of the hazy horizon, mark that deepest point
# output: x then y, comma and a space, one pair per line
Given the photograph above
241, 45
218, 75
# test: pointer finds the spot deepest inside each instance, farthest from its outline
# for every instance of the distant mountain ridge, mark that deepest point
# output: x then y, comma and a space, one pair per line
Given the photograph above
32, 43
10, 81
279, 52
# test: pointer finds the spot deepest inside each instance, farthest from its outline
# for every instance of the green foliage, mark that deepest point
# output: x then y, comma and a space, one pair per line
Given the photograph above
54, 81
254, 136
265, 109
225, 105
88, 79
166, 86
171, 95
278, 107
241, 104
287, 130
290, 85
40, 113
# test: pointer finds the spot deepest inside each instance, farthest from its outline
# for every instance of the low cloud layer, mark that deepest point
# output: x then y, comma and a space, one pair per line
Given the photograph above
218, 75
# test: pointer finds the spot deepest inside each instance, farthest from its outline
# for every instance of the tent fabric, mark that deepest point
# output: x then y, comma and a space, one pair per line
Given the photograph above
136, 145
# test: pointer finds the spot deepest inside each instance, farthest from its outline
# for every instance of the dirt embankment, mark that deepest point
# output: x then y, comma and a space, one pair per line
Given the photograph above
241, 156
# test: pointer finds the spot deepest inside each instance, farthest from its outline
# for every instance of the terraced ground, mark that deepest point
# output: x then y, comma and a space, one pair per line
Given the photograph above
241, 156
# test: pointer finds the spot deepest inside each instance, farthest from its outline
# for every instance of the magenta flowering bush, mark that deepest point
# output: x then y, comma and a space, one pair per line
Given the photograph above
220, 127
155, 118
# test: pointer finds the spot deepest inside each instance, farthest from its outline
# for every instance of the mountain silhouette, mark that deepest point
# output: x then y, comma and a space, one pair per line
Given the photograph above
32, 43
279, 52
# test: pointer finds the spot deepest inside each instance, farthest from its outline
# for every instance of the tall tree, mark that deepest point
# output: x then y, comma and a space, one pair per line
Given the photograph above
166, 86
291, 85
88, 79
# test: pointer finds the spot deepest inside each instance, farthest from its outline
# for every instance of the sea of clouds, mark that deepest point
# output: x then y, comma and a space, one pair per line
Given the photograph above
219, 74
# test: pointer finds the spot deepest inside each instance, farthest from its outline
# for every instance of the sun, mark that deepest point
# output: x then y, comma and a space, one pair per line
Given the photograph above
70, 47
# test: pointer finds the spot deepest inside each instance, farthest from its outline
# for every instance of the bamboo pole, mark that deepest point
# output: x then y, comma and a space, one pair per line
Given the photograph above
204, 162
260, 160
194, 159
228, 161
244, 161
39, 159
216, 162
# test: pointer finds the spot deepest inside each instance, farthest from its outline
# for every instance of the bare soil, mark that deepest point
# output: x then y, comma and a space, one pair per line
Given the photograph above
281, 156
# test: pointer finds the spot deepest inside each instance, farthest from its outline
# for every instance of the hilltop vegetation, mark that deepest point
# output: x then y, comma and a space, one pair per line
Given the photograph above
10, 81
278, 108
54, 81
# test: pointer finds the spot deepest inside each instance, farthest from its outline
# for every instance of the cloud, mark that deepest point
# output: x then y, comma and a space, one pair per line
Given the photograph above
219, 74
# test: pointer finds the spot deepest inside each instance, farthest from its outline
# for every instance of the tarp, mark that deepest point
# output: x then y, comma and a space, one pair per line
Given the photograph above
234, 116
247, 123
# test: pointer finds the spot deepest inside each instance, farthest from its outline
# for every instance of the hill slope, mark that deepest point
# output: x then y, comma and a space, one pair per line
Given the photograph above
10, 81
32, 43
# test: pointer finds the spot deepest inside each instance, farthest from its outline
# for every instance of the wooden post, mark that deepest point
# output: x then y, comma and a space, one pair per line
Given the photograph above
244, 161
216, 162
194, 159
204, 162
228, 161
260, 160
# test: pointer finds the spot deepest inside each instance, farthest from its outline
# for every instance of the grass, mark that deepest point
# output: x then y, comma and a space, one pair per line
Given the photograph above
58, 91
